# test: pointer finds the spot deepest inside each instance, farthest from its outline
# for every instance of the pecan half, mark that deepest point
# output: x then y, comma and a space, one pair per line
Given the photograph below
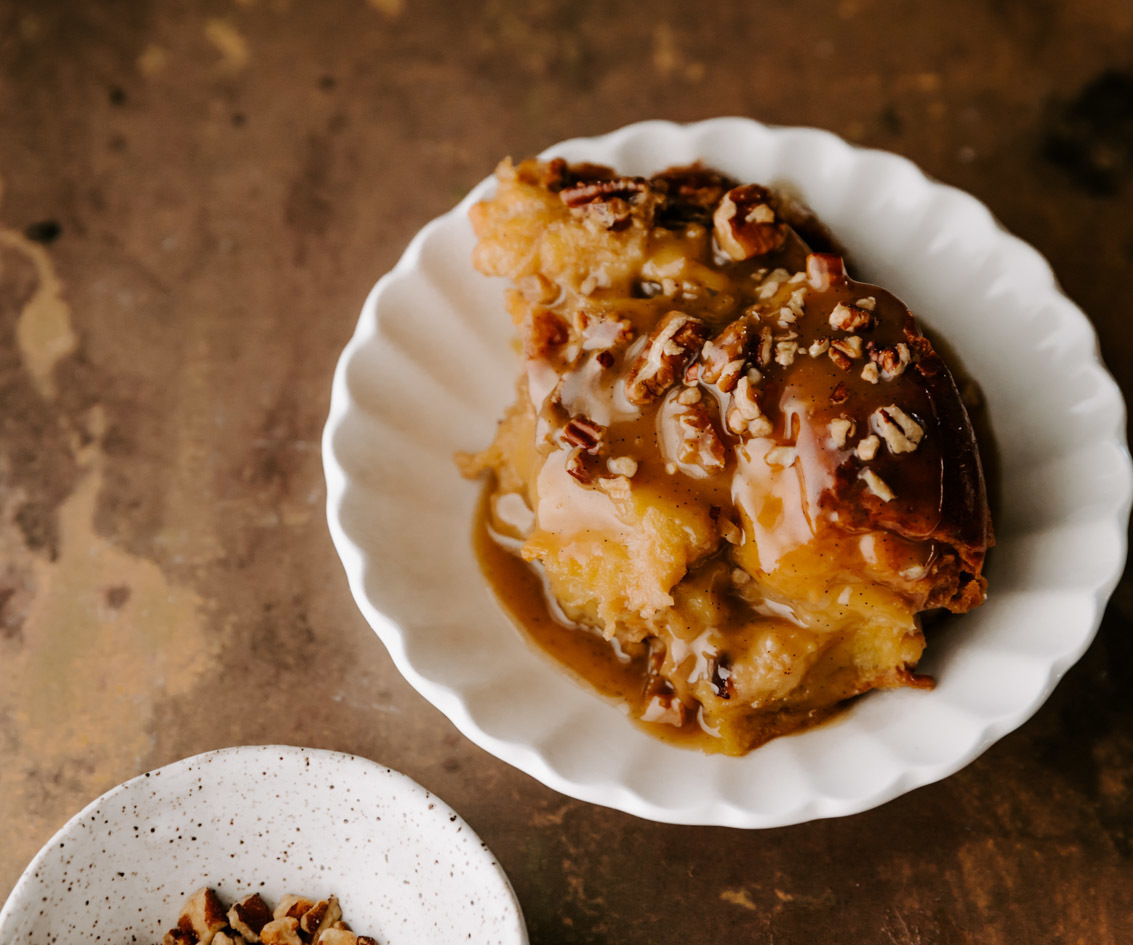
608, 202
671, 345
747, 224
690, 193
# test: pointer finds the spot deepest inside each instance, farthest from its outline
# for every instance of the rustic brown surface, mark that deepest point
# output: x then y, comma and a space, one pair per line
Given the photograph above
195, 198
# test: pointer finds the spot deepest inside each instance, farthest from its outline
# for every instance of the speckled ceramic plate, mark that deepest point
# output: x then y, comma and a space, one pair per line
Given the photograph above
272, 820
430, 369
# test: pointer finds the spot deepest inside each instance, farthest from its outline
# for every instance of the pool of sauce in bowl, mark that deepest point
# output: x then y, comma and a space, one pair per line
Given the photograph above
588, 657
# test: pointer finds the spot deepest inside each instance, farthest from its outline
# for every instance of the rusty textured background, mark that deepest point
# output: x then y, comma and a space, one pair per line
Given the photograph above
194, 199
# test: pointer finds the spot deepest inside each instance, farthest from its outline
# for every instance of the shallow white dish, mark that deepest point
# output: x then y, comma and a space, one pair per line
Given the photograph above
430, 369
273, 820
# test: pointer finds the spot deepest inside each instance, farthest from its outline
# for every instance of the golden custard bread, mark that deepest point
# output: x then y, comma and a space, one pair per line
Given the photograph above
736, 474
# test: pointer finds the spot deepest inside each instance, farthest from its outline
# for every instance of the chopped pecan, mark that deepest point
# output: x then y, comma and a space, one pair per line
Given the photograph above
320, 917
840, 359
780, 456
850, 317
850, 346
722, 359
840, 394
248, 915
746, 223
671, 345
870, 374
841, 429
892, 360
622, 466
292, 907
546, 332
579, 468
698, 442
283, 931
824, 270
818, 347
583, 433
876, 484
785, 352
202, 915
902, 434
867, 448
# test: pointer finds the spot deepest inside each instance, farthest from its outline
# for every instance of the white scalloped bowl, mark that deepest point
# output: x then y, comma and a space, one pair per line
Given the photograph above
270, 819
430, 369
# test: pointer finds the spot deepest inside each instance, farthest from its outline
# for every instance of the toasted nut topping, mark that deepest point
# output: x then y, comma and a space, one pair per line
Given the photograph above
760, 426
840, 394
785, 352
867, 448
671, 345
292, 907
876, 484
202, 915
583, 433
902, 434
248, 915
786, 317
765, 343
819, 347
892, 361
730, 531
824, 270
840, 359
870, 373
780, 456
720, 356
745, 401
578, 468
728, 377
698, 442
688, 396
849, 317
622, 466
616, 487
745, 223
869, 304
545, 333
283, 931
841, 428
320, 917
850, 346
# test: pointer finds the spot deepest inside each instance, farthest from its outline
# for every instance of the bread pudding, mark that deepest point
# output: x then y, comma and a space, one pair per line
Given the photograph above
734, 477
